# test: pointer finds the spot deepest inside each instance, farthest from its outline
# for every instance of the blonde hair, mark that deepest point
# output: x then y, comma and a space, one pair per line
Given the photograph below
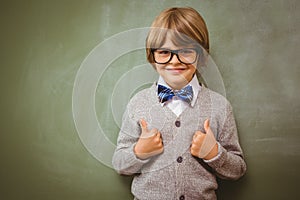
184, 26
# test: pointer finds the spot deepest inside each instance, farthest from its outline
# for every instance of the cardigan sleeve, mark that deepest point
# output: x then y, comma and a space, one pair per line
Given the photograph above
229, 164
124, 160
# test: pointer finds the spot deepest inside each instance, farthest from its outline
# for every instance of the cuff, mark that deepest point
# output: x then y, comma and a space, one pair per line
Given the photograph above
218, 161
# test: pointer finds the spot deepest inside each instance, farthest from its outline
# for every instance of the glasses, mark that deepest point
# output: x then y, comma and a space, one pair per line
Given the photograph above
185, 56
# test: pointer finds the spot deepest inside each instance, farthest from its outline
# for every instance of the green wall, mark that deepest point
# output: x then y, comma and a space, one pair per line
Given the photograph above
254, 43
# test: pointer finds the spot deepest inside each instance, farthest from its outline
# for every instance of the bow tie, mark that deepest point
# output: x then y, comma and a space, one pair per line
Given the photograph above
165, 94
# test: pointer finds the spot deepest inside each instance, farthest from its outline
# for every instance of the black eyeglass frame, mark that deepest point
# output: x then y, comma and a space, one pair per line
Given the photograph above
198, 51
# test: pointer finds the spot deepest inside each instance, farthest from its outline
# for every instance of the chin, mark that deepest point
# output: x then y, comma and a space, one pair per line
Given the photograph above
177, 82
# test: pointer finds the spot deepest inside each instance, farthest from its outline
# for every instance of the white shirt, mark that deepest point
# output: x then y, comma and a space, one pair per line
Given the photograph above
176, 104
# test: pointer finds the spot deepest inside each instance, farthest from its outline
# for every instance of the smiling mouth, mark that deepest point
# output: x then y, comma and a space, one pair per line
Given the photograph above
176, 70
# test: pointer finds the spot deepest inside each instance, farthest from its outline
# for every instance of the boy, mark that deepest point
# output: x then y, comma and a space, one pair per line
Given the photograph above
178, 135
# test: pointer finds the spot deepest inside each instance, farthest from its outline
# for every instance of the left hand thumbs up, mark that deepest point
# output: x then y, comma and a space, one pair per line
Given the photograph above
204, 145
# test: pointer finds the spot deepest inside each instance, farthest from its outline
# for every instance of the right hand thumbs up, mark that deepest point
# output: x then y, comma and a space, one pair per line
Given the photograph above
149, 144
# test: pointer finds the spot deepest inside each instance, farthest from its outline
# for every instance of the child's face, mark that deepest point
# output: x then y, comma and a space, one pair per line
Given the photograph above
175, 74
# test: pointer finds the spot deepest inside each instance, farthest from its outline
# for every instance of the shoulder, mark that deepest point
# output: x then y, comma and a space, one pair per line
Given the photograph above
212, 95
216, 101
143, 98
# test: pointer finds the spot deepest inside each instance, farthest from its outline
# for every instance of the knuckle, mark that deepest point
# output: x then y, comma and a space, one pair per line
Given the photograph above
155, 131
196, 141
200, 138
193, 148
160, 145
157, 140
198, 133
152, 136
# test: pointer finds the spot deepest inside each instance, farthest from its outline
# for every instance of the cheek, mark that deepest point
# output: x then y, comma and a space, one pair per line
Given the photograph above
158, 68
195, 66
192, 70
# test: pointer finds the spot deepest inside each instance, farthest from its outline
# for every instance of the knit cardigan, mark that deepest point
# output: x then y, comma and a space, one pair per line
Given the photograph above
176, 174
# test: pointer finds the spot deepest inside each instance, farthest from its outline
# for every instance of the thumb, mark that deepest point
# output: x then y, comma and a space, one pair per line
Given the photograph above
206, 125
144, 125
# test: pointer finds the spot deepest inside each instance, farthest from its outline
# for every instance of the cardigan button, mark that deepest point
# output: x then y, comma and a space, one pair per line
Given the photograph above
179, 159
181, 197
177, 123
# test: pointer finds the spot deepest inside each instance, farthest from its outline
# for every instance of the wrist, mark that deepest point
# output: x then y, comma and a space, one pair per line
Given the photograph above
138, 154
213, 153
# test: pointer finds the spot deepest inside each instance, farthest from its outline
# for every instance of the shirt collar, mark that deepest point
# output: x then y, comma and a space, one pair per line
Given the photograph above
194, 83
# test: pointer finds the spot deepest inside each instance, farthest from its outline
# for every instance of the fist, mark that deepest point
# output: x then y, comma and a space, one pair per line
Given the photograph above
150, 142
204, 145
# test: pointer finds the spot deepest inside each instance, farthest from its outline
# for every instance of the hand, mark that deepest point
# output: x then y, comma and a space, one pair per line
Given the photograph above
204, 145
149, 143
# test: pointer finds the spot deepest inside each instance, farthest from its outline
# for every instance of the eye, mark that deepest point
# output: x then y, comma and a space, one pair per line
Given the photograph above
163, 51
187, 51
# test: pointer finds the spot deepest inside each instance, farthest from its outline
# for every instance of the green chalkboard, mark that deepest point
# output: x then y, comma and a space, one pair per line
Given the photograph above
47, 48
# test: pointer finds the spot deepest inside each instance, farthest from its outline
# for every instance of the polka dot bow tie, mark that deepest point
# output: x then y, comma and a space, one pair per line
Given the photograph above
165, 94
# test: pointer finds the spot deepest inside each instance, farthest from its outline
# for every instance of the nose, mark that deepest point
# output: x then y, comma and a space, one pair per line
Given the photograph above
174, 59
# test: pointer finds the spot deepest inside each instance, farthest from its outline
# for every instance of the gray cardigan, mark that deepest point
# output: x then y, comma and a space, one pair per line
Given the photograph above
176, 174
